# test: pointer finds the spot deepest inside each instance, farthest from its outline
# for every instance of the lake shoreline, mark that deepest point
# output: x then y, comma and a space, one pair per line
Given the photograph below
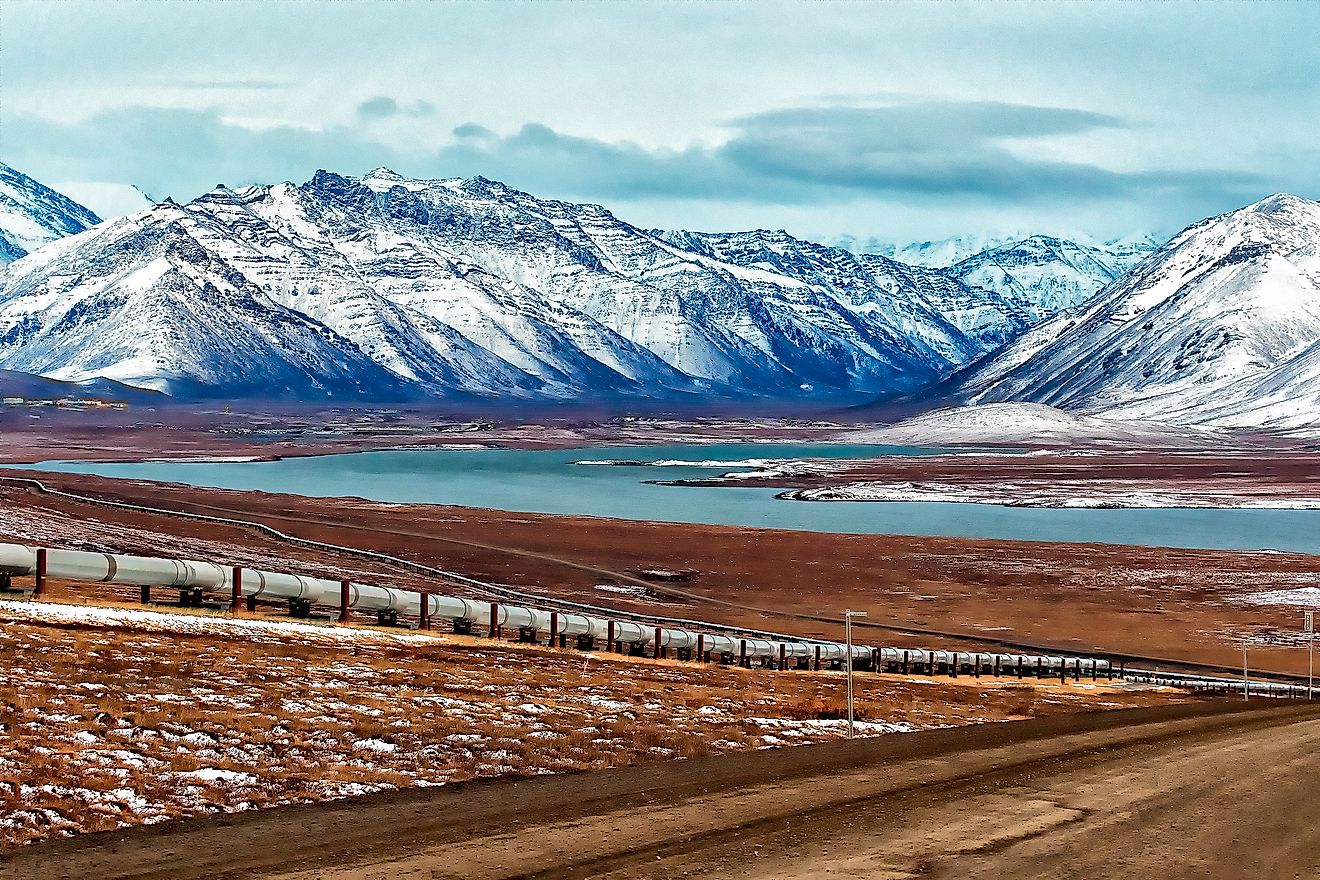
550, 482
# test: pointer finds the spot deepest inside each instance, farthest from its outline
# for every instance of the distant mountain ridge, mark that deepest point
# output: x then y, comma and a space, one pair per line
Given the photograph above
31, 387
1044, 275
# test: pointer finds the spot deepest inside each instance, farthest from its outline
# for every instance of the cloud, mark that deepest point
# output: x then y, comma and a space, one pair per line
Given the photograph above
931, 150
107, 200
223, 84
943, 155
183, 153
384, 107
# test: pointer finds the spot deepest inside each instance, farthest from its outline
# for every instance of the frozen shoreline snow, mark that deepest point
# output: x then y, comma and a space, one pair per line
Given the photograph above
1097, 494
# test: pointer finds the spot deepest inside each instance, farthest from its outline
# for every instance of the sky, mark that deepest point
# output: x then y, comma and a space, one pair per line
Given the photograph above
895, 121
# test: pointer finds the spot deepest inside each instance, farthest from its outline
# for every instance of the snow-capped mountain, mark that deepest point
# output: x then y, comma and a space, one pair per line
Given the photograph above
1220, 326
32, 214
384, 286
1044, 275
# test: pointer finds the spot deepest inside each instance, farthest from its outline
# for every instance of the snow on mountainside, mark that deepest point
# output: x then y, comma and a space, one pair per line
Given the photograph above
142, 301
953, 320
1025, 424
1043, 275
1220, 326
32, 214
388, 286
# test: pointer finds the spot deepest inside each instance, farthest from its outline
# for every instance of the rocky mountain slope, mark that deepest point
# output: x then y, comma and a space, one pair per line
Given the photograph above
1220, 326
32, 214
385, 287
950, 317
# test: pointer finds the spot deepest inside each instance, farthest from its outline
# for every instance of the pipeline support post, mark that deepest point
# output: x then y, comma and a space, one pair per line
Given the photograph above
818, 658
144, 594
701, 647
493, 630
554, 628
742, 652
424, 612
236, 591
609, 637
343, 600
783, 657
659, 648
39, 579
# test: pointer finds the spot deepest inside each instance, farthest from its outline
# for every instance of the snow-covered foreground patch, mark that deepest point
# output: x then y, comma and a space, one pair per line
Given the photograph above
119, 716
1104, 494
222, 625
1302, 597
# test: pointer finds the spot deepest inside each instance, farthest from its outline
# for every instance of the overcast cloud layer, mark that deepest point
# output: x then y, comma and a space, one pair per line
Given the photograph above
899, 121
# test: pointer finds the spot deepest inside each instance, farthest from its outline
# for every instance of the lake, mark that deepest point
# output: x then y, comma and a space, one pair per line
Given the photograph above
547, 481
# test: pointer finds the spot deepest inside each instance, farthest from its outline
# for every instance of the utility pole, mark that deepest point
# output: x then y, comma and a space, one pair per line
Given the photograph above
1246, 682
1308, 627
848, 663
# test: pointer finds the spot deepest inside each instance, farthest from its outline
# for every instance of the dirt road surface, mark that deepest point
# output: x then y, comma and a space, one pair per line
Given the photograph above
1213, 791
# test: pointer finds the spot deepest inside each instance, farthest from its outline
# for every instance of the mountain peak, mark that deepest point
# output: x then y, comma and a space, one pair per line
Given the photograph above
1282, 202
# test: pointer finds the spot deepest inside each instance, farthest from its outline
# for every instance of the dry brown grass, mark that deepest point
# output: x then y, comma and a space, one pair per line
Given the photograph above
112, 725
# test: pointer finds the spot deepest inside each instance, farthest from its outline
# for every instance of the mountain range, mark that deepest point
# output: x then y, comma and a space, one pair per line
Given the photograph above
387, 288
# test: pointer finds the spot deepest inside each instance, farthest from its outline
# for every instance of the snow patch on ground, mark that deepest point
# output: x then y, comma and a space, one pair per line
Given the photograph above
202, 624
1301, 597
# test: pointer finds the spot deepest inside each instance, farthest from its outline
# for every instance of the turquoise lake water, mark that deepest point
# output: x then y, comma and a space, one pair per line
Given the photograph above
548, 482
